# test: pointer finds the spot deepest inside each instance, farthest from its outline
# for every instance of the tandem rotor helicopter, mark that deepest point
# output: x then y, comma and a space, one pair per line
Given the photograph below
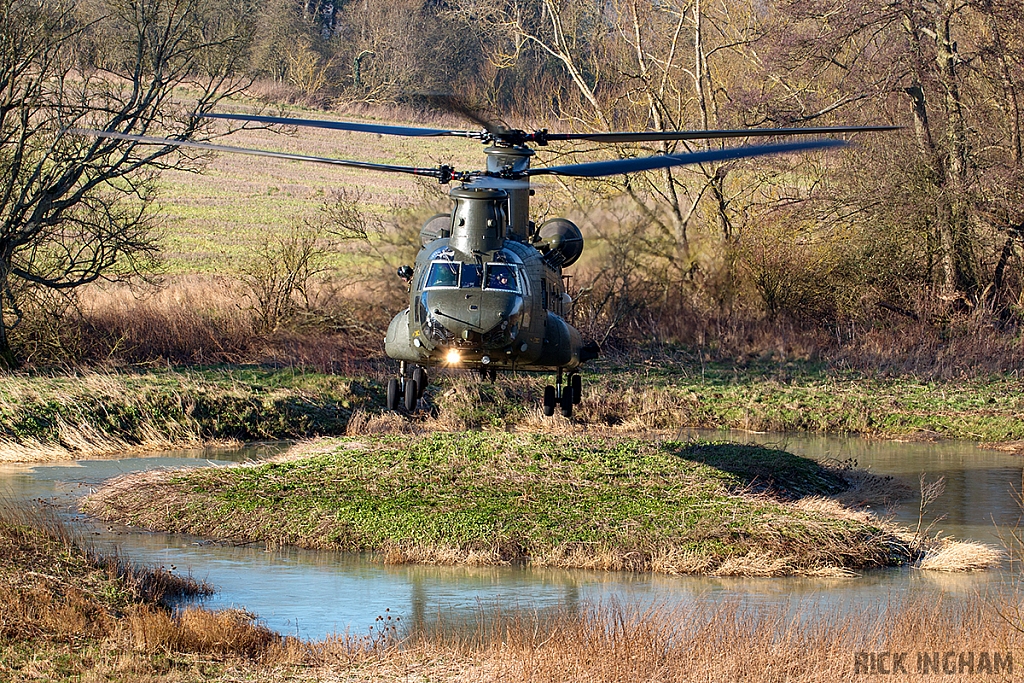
487, 292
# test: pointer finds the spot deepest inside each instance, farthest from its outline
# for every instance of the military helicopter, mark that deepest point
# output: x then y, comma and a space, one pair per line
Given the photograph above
487, 291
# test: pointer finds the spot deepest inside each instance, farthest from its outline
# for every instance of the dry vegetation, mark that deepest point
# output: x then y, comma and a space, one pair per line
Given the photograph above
67, 416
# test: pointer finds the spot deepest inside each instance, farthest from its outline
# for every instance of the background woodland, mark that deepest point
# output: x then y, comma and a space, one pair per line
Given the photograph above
900, 252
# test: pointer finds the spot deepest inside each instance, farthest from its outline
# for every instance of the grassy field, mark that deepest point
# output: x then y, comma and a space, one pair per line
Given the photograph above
479, 498
239, 201
61, 416
46, 417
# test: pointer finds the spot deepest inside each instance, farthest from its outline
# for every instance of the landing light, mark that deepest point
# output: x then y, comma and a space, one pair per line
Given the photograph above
453, 357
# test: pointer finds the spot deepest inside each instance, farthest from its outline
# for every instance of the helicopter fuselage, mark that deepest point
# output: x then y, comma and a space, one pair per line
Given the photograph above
484, 297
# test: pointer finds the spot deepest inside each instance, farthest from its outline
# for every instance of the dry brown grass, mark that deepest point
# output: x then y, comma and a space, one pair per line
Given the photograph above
706, 641
724, 642
197, 630
960, 556
51, 587
208, 319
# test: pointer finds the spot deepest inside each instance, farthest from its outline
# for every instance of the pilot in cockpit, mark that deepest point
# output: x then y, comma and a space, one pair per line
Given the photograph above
500, 277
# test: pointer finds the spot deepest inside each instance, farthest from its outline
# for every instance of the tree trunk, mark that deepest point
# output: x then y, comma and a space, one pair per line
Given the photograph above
8, 361
947, 156
957, 240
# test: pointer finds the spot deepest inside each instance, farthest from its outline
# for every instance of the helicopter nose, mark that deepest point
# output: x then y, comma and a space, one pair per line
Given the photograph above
500, 319
491, 321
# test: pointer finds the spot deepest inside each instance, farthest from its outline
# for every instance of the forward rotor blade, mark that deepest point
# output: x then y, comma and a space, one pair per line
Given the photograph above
597, 169
383, 129
432, 172
710, 134
457, 105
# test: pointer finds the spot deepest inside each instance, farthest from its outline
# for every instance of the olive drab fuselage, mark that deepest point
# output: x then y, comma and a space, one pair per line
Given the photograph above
486, 291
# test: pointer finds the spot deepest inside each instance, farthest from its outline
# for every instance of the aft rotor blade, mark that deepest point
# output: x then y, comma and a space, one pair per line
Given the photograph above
597, 169
492, 183
626, 136
433, 172
383, 129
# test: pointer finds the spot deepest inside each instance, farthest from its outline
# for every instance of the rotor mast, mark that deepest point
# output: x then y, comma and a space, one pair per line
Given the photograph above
507, 160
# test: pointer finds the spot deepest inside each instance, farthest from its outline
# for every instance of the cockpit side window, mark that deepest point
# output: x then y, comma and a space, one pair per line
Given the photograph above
501, 276
472, 276
443, 274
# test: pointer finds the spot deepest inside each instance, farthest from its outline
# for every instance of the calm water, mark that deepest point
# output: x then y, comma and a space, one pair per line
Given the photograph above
313, 594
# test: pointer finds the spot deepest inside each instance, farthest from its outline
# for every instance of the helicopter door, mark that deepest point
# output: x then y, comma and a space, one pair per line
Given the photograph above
470, 283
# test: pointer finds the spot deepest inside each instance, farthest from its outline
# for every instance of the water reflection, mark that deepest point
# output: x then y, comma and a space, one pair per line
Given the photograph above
980, 483
313, 594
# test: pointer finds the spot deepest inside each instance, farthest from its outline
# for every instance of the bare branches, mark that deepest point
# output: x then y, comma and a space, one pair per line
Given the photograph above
74, 209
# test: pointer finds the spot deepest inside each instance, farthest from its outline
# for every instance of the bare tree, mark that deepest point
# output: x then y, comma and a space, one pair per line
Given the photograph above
955, 74
74, 208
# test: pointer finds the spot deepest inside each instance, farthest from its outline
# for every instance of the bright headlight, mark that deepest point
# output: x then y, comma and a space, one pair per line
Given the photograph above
453, 357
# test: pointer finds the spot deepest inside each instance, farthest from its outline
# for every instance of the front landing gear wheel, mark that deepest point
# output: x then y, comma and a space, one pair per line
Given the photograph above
411, 397
549, 401
393, 394
576, 382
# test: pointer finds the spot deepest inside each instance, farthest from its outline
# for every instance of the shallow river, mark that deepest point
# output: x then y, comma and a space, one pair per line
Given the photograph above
313, 594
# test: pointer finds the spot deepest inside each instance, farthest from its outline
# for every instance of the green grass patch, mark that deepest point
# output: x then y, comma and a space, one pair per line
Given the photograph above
545, 500
83, 414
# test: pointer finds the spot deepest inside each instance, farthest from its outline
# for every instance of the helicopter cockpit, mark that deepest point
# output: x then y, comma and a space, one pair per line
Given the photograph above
490, 276
501, 276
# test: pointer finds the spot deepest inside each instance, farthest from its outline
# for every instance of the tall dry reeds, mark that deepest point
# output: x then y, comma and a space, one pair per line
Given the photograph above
712, 641
203, 320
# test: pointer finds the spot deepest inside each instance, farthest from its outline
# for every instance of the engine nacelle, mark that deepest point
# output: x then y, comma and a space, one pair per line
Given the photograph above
561, 241
437, 226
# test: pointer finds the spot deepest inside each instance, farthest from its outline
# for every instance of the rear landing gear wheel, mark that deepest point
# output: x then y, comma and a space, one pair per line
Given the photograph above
393, 394
410, 395
419, 376
549, 401
567, 400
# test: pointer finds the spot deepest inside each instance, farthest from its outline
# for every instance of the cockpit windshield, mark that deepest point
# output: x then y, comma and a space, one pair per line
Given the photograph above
472, 276
501, 276
444, 274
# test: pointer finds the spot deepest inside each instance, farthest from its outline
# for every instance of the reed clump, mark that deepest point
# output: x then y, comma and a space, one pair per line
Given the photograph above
82, 414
